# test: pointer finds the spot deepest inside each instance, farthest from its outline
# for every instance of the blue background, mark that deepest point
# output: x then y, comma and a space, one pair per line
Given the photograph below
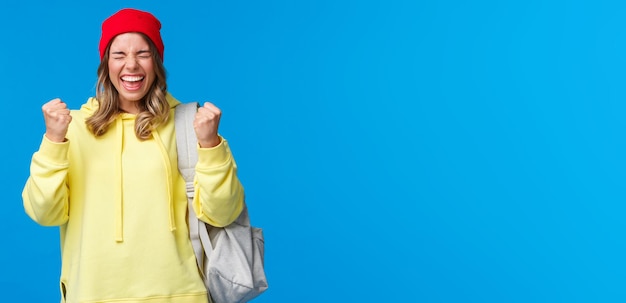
392, 151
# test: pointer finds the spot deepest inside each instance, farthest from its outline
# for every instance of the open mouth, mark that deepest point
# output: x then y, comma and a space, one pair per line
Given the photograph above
132, 82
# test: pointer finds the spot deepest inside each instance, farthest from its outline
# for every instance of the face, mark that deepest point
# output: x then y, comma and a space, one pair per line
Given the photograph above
131, 69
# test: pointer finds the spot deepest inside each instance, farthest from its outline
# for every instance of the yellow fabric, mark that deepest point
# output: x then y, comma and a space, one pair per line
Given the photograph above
121, 207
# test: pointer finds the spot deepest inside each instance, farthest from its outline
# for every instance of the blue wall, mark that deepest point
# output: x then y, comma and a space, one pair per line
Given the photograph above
392, 151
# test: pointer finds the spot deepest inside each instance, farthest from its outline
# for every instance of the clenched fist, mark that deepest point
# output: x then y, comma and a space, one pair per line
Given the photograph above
206, 123
57, 118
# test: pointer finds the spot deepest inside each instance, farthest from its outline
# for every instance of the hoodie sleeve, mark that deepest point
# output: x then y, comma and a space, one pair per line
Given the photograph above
45, 195
219, 194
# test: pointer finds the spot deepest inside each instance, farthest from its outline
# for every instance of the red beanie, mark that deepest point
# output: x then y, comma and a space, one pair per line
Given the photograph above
131, 20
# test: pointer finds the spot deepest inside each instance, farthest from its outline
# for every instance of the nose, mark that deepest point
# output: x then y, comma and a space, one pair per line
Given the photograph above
132, 62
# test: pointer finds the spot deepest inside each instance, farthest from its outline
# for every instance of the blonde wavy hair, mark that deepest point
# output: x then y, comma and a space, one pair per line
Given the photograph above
154, 109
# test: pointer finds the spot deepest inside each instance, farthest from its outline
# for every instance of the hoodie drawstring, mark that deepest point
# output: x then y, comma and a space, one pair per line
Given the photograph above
168, 172
119, 204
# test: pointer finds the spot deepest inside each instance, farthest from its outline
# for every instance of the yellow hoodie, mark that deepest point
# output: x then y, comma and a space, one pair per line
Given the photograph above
121, 207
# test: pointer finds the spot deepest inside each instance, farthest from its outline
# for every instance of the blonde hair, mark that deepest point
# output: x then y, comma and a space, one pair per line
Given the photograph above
154, 109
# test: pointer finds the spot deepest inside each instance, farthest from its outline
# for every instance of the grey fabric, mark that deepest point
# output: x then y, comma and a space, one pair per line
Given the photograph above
231, 258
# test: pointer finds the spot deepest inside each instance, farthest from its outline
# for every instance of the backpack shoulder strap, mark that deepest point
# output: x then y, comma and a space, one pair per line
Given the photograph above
186, 141
186, 145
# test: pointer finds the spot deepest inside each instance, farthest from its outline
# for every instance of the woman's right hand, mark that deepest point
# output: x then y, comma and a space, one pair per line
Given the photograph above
57, 118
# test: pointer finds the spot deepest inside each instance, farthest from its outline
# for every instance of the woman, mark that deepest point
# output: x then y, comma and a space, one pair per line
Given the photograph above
107, 175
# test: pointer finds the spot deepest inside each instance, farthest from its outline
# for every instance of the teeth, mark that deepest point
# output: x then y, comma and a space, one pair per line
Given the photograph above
132, 79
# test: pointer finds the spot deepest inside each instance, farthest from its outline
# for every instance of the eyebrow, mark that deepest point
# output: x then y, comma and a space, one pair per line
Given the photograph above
143, 51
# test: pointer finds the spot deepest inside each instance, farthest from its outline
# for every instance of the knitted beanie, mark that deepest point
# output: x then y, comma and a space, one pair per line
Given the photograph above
131, 20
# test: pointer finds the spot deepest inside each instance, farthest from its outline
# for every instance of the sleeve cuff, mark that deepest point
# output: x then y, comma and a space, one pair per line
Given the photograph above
214, 156
56, 152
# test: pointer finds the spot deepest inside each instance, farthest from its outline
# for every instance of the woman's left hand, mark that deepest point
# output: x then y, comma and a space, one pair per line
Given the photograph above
206, 123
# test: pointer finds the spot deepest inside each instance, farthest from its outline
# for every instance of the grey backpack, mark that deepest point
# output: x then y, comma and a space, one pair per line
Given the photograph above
231, 258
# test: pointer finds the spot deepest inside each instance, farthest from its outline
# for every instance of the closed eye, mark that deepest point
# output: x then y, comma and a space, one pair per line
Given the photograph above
144, 54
